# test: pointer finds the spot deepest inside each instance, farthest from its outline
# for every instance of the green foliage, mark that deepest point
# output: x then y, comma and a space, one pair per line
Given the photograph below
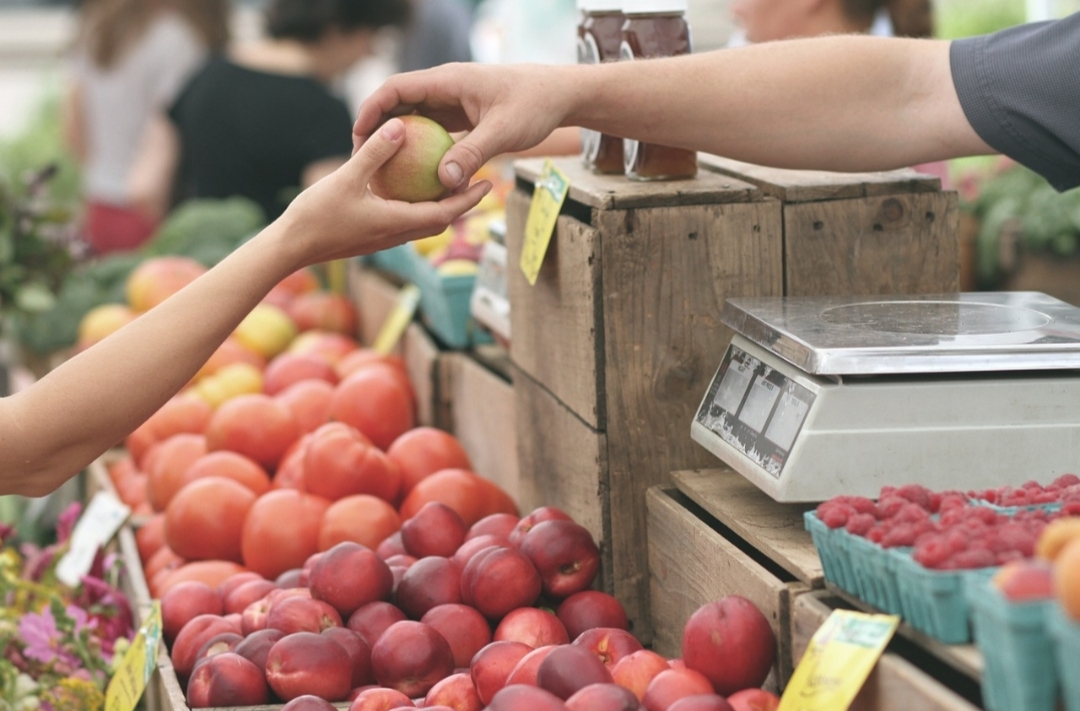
206, 230
964, 18
40, 145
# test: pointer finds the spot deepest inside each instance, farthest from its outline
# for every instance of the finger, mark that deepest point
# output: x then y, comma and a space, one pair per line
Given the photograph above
376, 150
470, 153
433, 217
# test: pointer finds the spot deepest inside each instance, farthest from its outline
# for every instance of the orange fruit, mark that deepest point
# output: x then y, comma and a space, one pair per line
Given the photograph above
362, 518
167, 465
1057, 534
230, 465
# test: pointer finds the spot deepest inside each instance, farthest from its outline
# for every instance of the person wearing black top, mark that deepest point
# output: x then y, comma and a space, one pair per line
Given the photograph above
259, 121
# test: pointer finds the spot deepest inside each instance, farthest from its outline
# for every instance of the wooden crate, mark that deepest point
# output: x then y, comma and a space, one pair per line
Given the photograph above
620, 336
896, 684
717, 534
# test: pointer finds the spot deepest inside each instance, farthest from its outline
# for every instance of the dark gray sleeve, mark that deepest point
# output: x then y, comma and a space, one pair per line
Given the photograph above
1020, 89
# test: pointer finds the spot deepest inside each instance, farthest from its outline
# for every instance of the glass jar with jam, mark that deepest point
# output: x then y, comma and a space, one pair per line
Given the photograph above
600, 40
656, 28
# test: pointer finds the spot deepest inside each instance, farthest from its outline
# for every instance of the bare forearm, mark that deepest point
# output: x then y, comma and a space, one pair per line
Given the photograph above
92, 401
841, 103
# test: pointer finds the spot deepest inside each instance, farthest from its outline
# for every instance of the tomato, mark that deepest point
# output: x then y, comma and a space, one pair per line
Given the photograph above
339, 462
166, 464
281, 531
363, 519
211, 572
256, 426
374, 401
365, 357
205, 519
230, 465
150, 536
289, 369
423, 451
465, 492
309, 402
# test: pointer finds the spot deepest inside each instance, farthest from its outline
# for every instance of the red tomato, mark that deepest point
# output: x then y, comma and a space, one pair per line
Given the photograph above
205, 519
340, 462
281, 531
421, 452
374, 401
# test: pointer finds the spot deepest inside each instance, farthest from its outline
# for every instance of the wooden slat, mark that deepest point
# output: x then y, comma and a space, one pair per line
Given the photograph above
421, 355
563, 462
483, 416
609, 192
896, 244
775, 529
812, 185
666, 274
691, 564
556, 323
894, 685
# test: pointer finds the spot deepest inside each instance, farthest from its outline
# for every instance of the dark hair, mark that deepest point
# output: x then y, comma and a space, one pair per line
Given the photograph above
910, 18
862, 10
309, 20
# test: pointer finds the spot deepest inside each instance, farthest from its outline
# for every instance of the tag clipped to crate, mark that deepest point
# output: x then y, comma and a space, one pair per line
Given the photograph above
97, 525
138, 664
840, 658
548, 197
399, 319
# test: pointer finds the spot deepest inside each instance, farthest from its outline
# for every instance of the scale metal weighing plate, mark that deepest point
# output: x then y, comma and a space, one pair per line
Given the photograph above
817, 397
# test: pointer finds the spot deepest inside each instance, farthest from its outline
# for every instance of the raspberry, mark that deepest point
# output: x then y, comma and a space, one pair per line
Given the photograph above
900, 535
916, 494
876, 534
886, 492
1071, 508
953, 516
911, 513
971, 559
834, 515
1013, 536
932, 551
982, 513
1044, 497
889, 506
1031, 484
952, 501
1064, 481
1006, 557
862, 505
860, 524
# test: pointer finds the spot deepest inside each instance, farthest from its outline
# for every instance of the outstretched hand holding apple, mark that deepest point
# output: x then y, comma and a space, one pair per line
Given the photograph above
56, 427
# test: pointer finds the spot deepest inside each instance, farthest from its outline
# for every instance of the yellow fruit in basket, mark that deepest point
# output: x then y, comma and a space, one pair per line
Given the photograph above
458, 267
102, 321
1056, 536
412, 174
229, 382
1067, 578
427, 245
267, 330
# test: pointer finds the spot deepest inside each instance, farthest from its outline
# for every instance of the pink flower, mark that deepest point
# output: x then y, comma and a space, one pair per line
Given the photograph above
42, 640
65, 523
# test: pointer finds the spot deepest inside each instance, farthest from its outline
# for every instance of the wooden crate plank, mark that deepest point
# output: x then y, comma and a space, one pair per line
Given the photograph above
556, 322
814, 185
894, 685
607, 192
421, 354
666, 274
895, 244
374, 297
562, 461
691, 564
484, 416
775, 529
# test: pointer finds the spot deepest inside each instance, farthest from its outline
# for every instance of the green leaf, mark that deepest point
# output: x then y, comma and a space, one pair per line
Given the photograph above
34, 297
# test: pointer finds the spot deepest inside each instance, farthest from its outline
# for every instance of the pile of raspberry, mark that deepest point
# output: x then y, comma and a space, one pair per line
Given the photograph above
1064, 490
946, 529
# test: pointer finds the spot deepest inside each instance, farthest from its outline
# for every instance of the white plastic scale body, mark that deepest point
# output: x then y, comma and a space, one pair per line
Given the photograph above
818, 397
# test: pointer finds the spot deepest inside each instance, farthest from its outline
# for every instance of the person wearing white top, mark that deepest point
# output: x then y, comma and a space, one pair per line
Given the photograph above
130, 60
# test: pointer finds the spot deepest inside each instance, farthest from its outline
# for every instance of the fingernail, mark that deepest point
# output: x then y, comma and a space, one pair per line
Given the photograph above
393, 129
454, 172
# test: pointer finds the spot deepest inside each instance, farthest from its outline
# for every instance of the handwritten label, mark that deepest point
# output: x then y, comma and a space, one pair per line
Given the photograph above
840, 658
98, 523
548, 197
133, 674
399, 319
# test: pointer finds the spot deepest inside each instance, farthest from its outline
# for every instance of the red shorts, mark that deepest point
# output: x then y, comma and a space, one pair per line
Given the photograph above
112, 228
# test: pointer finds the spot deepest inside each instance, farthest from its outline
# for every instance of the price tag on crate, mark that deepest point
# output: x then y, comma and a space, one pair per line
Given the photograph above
548, 197
838, 661
138, 664
398, 320
97, 525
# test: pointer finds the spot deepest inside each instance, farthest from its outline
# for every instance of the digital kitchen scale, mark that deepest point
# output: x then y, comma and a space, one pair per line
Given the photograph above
817, 397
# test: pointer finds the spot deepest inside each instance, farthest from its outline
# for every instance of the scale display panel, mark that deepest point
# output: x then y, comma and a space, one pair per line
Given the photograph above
756, 409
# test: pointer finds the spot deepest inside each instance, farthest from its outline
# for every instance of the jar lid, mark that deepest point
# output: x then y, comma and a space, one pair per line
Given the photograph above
641, 7
600, 5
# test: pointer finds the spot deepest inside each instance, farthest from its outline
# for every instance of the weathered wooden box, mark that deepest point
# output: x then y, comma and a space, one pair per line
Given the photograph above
616, 343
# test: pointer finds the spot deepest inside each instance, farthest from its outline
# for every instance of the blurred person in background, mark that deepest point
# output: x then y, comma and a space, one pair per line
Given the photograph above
260, 121
770, 20
130, 59
437, 33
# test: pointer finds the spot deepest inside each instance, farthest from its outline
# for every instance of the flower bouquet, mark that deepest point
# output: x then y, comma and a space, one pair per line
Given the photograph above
57, 643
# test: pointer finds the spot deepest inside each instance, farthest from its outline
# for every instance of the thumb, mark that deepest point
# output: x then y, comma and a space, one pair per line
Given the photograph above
377, 149
468, 155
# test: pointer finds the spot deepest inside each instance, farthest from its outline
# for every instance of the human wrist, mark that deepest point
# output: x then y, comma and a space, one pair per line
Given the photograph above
578, 84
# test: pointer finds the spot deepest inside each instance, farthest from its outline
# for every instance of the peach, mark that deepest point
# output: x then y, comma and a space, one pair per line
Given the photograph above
503, 580
570, 668
300, 614
307, 663
525, 698
637, 669
308, 702
532, 626
525, 670
227, 679
435, 530
359, 650
218, 644
591, 608
380, 699
456, 692
497, 524
349, 576
373, 619
428, 583
193, 636
464, 628
256, 646
292, 578
609, 644
411, 657
471, 547
701, 702
753, 700
731, 642
492, 665
1025, 580
535, 517
603, 697
669, 686
564, 554
390, 546
242, 596
185, 601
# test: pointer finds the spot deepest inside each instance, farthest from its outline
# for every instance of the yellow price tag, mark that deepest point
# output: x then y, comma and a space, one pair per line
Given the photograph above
140, 659
399, 319
838, 661
548, 197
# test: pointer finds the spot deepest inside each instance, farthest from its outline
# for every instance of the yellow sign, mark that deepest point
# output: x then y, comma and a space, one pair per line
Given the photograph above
399, 319
838, 661
140, 659
548, 197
